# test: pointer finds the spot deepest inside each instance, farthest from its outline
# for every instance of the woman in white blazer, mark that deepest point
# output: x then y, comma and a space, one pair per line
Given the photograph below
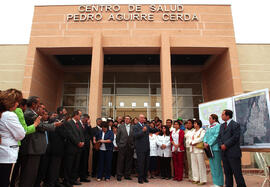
197, 154
153, 152
188, 138
11, 131
164, 152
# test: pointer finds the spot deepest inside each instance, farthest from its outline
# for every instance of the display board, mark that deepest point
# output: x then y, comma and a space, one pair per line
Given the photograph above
251, 111
214, 107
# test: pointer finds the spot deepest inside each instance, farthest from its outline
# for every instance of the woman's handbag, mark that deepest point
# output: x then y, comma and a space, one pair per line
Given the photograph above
200, 145
97, 146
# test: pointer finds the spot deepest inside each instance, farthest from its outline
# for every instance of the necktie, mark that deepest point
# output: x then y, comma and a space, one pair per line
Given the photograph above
77, 125
225, 126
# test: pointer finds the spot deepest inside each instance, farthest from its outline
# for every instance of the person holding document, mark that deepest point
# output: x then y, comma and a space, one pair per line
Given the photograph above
211, 143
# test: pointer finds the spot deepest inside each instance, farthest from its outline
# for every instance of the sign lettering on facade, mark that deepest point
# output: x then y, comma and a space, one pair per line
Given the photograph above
131, 13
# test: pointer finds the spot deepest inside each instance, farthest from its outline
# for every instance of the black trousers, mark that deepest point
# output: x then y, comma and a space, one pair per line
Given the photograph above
42, 169
165, 167
124, 163
232, 166
94, 162
71, 166
143, 164
114, 163
29, 170
83, 168
16, 172
53, 170
5, 170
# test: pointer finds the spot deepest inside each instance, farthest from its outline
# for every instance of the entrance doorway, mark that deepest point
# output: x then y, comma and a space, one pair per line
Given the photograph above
131, 86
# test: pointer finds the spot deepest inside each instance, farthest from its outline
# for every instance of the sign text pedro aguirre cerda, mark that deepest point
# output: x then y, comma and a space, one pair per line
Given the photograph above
131, 13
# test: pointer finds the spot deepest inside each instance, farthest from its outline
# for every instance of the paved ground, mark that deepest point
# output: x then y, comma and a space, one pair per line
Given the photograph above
251, 180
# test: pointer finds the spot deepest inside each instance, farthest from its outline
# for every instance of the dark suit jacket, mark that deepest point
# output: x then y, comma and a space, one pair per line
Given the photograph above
35, 143
57, 139
94, 132
87, 132
141, 138
122, 137
74, 136
231, 138
108, 136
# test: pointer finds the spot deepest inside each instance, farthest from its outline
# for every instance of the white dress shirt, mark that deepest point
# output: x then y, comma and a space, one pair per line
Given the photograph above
164, 140
127, 128
102, 146
11, 131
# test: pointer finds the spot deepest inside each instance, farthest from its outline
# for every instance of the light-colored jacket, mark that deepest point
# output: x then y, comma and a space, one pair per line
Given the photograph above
11, 131
211, 135
197, 137
188, 137
153, 145
164, 140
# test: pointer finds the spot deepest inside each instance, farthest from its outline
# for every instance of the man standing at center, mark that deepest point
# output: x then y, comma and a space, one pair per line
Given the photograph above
124, 141
142, 146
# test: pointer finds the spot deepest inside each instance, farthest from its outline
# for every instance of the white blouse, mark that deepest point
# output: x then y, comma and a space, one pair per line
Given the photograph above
164, 140
114, 144
11, 131
153, 145
175, 138
102, 146
197, 137
188, 137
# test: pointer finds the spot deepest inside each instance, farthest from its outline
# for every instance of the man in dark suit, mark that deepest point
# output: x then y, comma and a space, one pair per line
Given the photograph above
83, 168
229, 142
125, 144
142, 146
94, 132
57, 140
74, 144
33, 145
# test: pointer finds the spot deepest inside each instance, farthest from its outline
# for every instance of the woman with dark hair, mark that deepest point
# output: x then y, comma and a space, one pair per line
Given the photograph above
11, 131
197, 154
210, 141
105, 137
153, 151
164, 152
178, 150
188, 137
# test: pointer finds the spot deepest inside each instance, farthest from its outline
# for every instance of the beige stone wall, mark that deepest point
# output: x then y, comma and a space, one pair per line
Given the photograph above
254, 61
12, 60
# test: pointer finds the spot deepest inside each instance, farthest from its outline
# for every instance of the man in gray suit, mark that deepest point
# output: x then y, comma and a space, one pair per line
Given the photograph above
33, 145
125, 144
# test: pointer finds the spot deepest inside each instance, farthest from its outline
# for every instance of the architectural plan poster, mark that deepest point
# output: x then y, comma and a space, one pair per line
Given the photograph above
214, 107
251, 110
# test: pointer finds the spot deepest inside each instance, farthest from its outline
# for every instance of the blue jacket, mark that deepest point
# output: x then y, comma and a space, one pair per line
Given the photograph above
108, 136
211, 136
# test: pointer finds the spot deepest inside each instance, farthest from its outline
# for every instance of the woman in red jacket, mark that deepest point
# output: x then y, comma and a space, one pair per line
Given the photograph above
178, 149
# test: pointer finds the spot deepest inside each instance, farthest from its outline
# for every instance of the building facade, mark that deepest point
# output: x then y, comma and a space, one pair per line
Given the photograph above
111, 60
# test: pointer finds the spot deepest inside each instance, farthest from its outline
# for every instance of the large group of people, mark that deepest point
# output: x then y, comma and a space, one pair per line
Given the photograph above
38, 147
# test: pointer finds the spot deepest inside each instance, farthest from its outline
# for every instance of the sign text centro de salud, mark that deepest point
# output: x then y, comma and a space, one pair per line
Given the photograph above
132, 13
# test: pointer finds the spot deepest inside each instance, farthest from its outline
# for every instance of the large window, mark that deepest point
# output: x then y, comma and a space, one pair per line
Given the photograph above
131, 93
187, 94
76, 91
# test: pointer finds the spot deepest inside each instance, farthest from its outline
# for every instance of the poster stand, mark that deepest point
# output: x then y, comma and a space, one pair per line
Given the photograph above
262, 161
